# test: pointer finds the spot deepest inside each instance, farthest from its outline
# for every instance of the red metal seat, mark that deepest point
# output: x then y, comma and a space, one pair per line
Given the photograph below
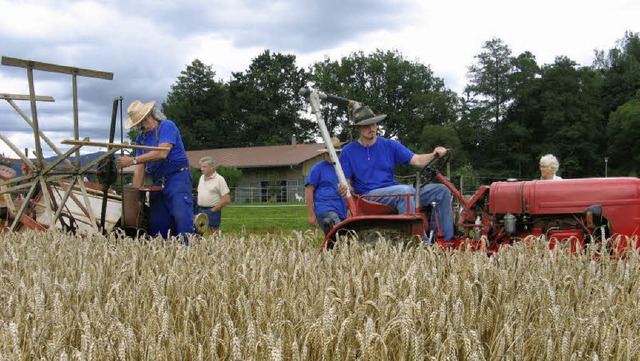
366, 207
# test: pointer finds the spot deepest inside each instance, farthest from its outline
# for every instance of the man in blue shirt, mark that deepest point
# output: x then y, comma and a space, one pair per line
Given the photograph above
325, 205
369, 165
171, 208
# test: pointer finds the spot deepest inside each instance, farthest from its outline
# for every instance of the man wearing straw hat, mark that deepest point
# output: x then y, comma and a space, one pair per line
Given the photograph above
325, 206
171, 208
369, 164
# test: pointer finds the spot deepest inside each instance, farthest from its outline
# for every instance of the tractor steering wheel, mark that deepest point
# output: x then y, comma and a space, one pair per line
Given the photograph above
433, 167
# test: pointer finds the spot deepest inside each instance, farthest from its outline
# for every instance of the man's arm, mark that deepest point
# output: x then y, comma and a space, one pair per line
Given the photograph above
155, 155
420, 160
223, 202
308, 195
152, 156
138, 176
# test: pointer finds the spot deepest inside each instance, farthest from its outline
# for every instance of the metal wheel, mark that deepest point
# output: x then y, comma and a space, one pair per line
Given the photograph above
56, 194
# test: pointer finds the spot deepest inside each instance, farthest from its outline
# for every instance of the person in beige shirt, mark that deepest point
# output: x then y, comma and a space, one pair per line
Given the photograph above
213, 194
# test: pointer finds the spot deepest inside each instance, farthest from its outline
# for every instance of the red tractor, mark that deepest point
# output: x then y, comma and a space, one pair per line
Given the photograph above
569, 212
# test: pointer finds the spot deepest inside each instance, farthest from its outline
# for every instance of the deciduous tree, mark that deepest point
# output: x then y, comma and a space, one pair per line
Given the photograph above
265, 102
623, 133
197, 103
406, 91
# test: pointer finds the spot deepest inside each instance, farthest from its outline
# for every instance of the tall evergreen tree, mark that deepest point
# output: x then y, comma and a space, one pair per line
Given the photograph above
489, 79
488, 95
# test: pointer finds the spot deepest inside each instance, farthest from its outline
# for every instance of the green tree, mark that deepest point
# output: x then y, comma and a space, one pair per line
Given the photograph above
487, 99
516, 111
518, 132
474, 135
265, 102
466, 179
571, 118
438, 135
623, 133
621, 71
406, 91
489, 79
232, 175
197, 103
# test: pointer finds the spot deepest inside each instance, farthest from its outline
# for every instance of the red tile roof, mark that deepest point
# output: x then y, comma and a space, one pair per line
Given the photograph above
258, 157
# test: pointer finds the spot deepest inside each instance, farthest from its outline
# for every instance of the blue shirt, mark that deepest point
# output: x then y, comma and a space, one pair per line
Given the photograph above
166, 132
373, 167
324, 180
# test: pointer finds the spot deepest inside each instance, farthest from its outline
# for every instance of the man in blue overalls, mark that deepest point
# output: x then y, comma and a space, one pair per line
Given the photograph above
171, 209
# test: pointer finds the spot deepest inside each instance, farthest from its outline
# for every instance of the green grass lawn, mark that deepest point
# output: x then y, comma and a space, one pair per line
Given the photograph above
264, 217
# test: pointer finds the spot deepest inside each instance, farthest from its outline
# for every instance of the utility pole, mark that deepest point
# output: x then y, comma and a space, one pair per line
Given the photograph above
606, 163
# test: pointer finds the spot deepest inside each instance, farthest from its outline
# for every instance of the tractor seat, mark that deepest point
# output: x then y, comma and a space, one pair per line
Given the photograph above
366, 207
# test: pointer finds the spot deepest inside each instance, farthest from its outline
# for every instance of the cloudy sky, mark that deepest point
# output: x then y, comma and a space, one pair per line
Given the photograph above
146, 44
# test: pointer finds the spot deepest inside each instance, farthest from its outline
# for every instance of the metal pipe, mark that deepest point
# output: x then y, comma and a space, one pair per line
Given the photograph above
314, 100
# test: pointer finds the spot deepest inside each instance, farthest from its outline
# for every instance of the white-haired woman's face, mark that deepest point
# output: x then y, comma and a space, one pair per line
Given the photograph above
546, 171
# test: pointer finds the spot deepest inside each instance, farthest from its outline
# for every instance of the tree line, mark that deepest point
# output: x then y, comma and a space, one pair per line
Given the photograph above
512, 111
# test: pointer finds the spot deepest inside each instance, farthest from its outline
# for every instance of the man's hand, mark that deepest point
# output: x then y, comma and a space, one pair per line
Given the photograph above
421, 160
312, 220
125, 161
342, 189
441, 151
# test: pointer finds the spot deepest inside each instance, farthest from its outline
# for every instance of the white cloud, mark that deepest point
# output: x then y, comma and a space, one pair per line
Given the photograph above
54, 20
147, 43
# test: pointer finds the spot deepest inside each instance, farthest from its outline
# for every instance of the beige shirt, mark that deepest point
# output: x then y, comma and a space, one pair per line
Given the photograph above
211, 190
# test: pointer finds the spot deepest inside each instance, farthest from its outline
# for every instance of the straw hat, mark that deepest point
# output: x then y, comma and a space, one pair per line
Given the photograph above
363, 115
201, 223
337, 144
137, 111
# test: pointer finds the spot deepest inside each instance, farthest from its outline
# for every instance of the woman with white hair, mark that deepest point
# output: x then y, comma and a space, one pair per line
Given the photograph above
548, 167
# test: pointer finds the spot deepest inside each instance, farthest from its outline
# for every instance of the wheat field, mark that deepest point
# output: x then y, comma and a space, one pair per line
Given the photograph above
276, 297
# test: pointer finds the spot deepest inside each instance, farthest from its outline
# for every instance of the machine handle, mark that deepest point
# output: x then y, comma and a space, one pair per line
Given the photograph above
334, 99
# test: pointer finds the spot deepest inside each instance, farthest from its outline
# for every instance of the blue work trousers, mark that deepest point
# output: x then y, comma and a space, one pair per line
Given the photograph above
328, 220
215, 218
171, 209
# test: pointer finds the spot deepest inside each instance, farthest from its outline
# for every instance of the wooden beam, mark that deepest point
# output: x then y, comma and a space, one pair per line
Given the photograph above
22, 63
41, 98
112, 145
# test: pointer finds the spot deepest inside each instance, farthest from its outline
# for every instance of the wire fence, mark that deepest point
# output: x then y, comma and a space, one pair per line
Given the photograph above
268, 194
295, 193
